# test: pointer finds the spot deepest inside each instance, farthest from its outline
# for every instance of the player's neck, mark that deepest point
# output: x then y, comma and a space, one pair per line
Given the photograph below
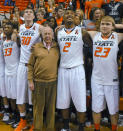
8, 37
28, 23
106, 35
69, 26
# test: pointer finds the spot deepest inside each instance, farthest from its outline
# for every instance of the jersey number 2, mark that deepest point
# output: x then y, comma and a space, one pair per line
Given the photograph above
67, 45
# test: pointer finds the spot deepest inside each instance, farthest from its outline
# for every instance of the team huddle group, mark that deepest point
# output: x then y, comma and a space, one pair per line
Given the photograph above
45, 68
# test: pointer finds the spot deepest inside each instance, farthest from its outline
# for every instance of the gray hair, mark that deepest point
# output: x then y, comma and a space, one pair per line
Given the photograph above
47, 28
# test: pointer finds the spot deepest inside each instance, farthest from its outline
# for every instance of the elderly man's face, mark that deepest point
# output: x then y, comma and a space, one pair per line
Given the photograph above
47, 35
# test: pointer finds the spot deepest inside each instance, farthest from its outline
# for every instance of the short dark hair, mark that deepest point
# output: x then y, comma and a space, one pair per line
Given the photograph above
52, 17
58, 8
30, 8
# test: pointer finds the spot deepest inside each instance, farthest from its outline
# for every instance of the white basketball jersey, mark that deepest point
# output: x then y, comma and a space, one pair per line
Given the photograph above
28, 38
11, 56
105, 67
71, 47
2, 64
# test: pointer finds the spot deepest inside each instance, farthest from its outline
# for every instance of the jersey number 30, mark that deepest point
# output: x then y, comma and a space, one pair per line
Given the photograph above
26, 40
100, 50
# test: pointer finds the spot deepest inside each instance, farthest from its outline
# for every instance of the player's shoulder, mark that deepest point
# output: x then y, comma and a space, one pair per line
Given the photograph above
114, 33
22, 26
37, 25
60, 30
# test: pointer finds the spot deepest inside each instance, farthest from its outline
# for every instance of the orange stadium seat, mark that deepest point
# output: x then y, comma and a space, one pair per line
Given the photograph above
21, 4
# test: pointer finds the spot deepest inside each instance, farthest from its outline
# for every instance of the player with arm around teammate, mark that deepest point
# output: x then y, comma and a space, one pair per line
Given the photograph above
29, 35
11, 53
71, 74
104, 80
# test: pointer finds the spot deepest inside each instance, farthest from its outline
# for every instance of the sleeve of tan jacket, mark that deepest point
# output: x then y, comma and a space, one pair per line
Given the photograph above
31, 64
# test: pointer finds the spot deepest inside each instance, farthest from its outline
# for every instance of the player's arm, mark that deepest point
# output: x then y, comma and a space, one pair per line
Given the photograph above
120, 37
18, 41
30, 71
40, 29
119, 26
120, 44
120, 54
58, 28
88, 42
92, 33
15, 37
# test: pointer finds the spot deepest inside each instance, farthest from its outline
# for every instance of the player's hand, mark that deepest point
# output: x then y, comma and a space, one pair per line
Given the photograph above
14, 37
31, 86
40, 29
59, 28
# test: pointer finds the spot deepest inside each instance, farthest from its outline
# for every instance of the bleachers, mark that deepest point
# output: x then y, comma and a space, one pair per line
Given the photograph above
21, 4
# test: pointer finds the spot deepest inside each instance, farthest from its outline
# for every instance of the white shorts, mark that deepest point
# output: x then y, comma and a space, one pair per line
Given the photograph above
23, 93
11, 86
2, 86
102, 94
71, 84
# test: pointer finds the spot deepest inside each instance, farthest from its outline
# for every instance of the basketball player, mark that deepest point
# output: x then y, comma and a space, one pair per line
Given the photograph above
71, 74
11, 56
2, 76
1, 66
104, 81
2, 79
29, 35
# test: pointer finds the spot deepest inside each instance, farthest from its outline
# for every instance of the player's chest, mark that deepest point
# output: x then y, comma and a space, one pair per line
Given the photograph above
104, 49
27, 36
8, 48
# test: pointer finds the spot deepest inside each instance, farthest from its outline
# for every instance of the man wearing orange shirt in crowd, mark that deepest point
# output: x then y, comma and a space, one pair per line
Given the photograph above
59, 16
33, 1
94, 3
62, 2
91, 4
77, 4
40, 17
